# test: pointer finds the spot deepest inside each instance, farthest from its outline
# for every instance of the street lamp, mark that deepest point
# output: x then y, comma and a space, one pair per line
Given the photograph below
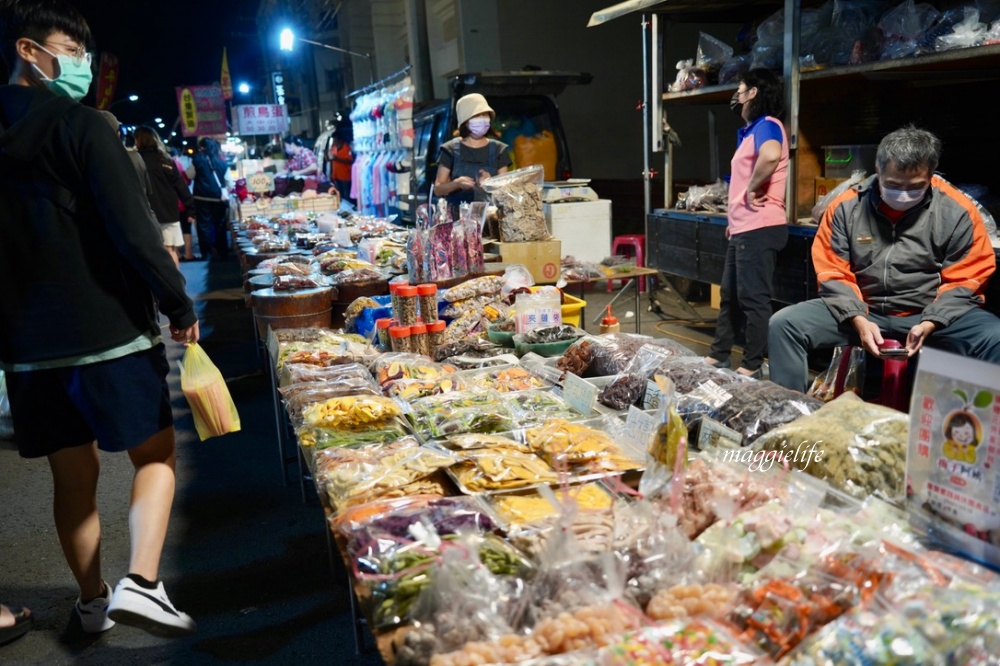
131, 98
287, 41
244, 88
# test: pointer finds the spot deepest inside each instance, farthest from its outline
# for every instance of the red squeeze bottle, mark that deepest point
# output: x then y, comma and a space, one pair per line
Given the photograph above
609, 324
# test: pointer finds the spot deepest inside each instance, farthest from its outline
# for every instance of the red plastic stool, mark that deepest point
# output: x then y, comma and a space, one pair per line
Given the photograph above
632, 246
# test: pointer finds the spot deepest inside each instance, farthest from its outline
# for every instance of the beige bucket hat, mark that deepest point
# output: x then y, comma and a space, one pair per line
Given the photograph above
472, 105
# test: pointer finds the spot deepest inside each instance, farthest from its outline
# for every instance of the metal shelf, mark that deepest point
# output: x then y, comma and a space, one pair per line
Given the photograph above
978, 62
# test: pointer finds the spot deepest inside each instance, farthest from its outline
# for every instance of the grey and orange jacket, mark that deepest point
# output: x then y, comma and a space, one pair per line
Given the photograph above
934, 261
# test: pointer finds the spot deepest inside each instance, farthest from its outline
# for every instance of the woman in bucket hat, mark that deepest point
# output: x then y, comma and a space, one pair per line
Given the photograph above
472, 157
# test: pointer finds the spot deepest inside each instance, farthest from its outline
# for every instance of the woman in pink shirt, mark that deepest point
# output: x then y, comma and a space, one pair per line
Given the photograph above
757, 227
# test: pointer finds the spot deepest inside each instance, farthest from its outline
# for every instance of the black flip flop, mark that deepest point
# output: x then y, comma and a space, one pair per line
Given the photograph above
22, 623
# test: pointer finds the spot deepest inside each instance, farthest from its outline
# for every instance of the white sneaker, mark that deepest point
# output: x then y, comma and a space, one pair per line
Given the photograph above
94, 614
147, 609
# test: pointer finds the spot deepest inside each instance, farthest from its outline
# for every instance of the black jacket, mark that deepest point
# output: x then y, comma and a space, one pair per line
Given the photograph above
80, 259
167, 184
205, 184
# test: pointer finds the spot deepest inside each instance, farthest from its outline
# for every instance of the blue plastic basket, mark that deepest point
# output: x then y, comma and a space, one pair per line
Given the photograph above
365, 322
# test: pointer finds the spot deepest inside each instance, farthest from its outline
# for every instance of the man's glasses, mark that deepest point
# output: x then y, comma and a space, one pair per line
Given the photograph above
79, 54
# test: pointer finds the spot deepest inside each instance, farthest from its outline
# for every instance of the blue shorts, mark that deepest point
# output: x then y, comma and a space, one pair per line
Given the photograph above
121, 403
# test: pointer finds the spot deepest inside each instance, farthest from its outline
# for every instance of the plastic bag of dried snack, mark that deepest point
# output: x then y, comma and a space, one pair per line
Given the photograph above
761, 406
518, 198
853, 445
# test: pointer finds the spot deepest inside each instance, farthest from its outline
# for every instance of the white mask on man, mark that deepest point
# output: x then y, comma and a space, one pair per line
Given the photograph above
902, 199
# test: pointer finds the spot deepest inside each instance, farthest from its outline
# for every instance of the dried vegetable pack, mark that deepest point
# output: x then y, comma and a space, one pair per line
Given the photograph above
412, 376
352, 476
855, 446
518, 197
351, 412
505, 379
396, 571
499, 468
579, 448
462, 412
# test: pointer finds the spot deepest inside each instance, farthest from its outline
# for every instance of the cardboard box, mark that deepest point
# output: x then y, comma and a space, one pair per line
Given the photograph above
826, 185
715, 298
542, 258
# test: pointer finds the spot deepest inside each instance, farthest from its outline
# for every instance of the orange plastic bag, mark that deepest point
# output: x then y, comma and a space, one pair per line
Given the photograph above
206, 392
538, 149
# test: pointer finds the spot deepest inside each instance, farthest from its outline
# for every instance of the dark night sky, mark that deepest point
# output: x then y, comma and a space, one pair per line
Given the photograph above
170, 43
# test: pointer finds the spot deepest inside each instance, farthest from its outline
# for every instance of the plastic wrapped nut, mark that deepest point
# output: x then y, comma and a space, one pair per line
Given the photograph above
860, 447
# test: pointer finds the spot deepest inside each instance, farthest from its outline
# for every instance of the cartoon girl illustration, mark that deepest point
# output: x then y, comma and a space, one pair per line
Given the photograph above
960, 437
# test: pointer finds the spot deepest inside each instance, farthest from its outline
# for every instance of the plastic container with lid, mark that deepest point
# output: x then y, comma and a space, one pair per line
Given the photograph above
393, 286
406, 313
382, 327
609, 324
419, 340
428, 302
435, 334
400, 336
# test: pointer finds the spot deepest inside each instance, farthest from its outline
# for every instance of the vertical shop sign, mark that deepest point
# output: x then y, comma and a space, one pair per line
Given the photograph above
202, 109
224, 79
278, 84
107, 81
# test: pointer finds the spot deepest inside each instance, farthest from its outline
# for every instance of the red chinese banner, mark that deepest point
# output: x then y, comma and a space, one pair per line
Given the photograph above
107, 80
260, 119
203, 110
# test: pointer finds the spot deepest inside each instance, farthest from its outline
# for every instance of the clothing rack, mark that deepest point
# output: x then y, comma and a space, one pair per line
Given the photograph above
381, 83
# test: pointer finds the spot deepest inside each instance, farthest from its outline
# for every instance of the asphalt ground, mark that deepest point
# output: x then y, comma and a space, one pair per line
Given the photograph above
244, 555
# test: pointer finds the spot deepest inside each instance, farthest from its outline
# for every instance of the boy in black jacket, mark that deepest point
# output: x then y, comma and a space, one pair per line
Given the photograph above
81, 264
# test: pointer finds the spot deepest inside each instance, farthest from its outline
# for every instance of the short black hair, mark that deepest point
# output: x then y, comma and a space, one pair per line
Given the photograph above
36, 20
770, 98
209, 145
293, 140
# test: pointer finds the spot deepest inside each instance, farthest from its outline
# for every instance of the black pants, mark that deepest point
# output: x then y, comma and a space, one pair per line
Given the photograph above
746, 293
212, 236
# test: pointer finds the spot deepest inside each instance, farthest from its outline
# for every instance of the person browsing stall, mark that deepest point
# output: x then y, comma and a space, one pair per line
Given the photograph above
472, 157
757, 227
83, 271
167, 188
301, 160
210, 202
903, 255
343, 159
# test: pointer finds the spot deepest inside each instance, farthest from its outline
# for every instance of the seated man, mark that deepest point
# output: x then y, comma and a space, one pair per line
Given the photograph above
903, 255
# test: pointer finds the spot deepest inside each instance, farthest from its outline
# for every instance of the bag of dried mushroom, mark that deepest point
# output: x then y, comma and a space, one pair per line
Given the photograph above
853, 445
518, 197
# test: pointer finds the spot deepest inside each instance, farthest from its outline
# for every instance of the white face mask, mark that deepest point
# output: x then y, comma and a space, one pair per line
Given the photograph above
902, 199
478, 127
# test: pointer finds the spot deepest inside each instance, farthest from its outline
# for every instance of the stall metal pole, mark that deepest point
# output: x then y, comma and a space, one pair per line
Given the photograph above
793, 14
646, 184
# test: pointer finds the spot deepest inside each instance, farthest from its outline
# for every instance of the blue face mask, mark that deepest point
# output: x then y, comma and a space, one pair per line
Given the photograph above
74, 75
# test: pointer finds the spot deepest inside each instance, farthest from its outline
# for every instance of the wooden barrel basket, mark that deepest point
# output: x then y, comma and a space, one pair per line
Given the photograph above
291, 309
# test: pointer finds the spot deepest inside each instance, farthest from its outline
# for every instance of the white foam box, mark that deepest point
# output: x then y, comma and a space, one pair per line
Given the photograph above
584, 227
